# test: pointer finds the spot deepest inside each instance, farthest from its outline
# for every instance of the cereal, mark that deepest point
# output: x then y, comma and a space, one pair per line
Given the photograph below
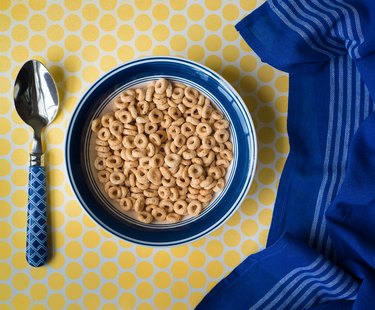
163, 152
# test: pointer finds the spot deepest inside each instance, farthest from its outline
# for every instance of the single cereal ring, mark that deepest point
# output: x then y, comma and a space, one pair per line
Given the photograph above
193, 143
182, 108
179, 140
172, 102
120, 104
161, 86
174, 194
154, 138
149, 208
104, 134
133, 111
154, 176
217, 115
189, 154
162, 135
145, 217
187, 129
195, 112
189, 103
128, 142
124, 191
194, 207
195, 171
116, 128
207, 111
136, 196
219, 185
150, 193
155, 116
101, 142
203, 130
142, 186
152, 201
174, 113
159, 214
104, 154
207, 160
221, 124
182, 150
150, 150
173, 218
96, 125
193, 190
215, 172
144, 162
157, 161
192, 120
165, 173
149, 93
114, 192
174, 130
167, 205
124, 117
126, 204
169, 183
140, 141
168, 91
172, 160
117, 178
206, 198
163, 192
129, 132
114, 161
177, 93
130, 126
103, 176
138, 153
208, 142
178, 122
132, 180
139, 204
99, 163
223, 163
180, 207
182, 181
221, 135
191, 93
141, 120
107, 119
150, 128
103, 149
219, 148
140, 128
227, 154
201, 100
140, 94
166, 122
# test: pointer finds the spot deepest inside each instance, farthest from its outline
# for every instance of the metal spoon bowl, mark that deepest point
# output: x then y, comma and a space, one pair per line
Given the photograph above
36, 101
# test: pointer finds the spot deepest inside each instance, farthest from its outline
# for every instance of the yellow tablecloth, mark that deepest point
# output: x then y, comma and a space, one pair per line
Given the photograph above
78, 41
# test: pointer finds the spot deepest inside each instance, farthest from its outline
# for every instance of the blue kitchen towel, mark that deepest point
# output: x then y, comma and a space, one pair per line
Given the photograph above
314, 257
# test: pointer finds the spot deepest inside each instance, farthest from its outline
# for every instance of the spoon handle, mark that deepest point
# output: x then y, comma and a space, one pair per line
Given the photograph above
36, 242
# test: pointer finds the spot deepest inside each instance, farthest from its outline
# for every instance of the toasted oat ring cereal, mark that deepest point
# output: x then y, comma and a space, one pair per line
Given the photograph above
145, 217
163, 152
194, 207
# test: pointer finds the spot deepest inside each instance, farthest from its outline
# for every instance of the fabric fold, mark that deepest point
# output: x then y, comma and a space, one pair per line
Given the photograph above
324, 210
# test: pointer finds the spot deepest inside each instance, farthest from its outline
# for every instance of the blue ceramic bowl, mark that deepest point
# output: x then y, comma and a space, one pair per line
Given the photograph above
79, 150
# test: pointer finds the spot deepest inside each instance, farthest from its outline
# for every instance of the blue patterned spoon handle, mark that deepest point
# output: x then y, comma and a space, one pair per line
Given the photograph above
36, 242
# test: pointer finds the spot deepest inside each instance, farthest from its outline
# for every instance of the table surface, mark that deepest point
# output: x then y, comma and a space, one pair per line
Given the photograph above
79, 41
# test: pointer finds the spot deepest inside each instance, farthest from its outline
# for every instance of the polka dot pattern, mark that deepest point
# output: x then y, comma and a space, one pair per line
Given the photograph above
79, 41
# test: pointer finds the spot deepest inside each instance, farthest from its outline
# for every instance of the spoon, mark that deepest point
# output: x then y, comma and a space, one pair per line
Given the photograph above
36, 101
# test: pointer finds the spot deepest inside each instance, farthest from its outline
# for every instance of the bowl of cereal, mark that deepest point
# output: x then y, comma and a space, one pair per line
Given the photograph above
160, 151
